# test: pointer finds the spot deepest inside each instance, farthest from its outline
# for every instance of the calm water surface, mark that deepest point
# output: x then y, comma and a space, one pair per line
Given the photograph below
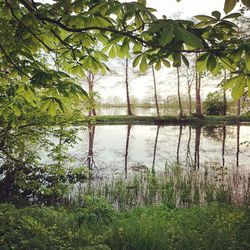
115, 150
33, 159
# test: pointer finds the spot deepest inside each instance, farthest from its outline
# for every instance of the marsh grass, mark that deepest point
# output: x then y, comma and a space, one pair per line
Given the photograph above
176, 187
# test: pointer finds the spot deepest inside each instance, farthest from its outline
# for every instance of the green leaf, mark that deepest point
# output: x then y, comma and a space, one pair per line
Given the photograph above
166, 63
211, 62
187, 37
143, 64
201, 62
137, 47
233, 15
143, 2
52, 109
234, 80
204, 18
238, 89
216, 14
177, 60
229, 5
158, 65
136, 61
167, 34
112, 52
17, 111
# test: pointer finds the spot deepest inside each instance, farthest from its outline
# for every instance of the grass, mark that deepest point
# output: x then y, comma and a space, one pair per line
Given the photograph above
206, 120
175, 188
96, 225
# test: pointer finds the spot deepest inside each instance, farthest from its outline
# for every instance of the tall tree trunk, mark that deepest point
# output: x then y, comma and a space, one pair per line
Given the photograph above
197, 147
155, 149
189, 100
224, 96
155, 93
178, 145
198, 94
179, 93
238, 108
90, 80
126, 150
129, 111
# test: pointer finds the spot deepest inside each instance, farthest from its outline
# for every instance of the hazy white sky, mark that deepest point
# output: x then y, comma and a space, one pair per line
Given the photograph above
141, 87
187, 8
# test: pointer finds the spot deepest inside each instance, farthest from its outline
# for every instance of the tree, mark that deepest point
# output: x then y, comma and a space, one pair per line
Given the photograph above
90, 78
73, 29
189, 74
155, 93
129, 111
179, 93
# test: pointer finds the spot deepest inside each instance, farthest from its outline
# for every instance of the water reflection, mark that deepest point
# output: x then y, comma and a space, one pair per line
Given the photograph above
153, 147
38, 163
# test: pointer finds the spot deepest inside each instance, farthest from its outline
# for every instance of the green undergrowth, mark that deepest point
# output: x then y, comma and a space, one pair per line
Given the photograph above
97, 225
125, 119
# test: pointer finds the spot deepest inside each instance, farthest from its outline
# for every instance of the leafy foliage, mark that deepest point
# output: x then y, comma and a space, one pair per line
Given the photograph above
45, 46
153, 227
213, 104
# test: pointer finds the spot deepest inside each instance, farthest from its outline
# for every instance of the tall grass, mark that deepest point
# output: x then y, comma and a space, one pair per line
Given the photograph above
176, 187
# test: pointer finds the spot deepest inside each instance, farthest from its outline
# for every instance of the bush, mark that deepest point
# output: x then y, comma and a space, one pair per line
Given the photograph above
95, 225
158, 227
49, 228
213, 104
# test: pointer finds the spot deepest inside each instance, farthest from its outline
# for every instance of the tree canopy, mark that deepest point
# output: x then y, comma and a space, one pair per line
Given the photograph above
44, 46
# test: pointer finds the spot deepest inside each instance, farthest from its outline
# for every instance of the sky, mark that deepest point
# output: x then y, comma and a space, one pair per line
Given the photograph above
187, 8
141, 87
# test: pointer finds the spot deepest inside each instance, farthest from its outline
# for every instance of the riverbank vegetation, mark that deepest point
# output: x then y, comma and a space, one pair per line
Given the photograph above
96, 225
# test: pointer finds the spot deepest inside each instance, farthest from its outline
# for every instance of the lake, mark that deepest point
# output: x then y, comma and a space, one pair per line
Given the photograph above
118, 149
37, 162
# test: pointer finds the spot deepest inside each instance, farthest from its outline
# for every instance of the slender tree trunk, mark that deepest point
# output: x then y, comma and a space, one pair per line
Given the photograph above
238, 108
224, 96
90, 80
178, 145
155, 93
129, 111
179, 94
197, 147
189, 100
126, 151
155, 149
198, 94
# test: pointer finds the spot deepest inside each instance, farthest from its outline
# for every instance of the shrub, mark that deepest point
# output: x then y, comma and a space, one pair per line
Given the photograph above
213, 104
153, 227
